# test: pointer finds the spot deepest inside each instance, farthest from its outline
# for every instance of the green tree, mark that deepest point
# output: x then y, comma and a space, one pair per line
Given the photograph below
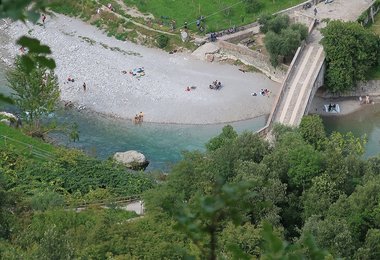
312, 130
371, 247
301, 28
36, 92
273, 23
162, 41
351, 51
228, 134
282, 41
273, 43
290, 41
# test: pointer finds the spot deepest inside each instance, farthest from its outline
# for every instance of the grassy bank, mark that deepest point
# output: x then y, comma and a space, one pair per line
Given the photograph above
146, 31
23, 144
118, 23
219, 14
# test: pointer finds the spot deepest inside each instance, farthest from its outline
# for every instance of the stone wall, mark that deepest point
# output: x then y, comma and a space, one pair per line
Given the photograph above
237, 37
298, 17
254, 58
371, 88
319, 81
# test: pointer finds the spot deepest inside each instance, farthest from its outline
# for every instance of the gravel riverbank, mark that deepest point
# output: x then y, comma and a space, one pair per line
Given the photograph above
86, 54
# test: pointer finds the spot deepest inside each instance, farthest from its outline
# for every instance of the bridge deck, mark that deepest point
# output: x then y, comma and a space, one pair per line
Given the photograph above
298, 86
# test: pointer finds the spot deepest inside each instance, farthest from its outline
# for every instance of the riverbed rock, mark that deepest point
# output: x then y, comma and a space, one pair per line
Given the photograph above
132, 159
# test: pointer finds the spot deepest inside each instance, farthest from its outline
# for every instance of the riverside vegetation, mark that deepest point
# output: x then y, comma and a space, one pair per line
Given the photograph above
312, 189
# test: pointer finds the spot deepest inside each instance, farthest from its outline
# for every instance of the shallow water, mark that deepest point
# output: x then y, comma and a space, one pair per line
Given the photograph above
363, 122
161, 143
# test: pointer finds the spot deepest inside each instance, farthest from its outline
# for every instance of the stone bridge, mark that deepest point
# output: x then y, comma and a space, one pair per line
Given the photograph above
306, 72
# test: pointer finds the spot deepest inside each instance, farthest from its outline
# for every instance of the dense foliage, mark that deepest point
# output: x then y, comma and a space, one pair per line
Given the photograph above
36, 91
351, 50
71, 175
281, 38
314, 189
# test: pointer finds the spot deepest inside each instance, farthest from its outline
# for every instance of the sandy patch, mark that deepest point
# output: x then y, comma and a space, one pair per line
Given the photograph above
347, 105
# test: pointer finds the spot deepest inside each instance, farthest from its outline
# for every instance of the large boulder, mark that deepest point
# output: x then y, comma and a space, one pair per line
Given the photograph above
132, 159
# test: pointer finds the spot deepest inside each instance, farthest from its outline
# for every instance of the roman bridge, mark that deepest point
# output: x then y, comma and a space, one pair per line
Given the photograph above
306, 72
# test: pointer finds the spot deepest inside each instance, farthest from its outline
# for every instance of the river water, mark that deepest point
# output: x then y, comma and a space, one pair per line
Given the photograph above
363, 122
163, 143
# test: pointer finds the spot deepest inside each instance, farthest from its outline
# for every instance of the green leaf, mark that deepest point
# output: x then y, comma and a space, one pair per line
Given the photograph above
33, 45
47, 62
27, 63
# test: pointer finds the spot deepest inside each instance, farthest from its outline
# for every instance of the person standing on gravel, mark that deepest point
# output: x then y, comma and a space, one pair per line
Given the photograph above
84, 86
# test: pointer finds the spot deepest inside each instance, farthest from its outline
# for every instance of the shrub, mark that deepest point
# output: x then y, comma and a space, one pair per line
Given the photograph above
252, 6
162, 41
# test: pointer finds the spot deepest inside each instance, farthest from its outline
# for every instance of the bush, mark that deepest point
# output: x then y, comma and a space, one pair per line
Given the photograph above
45, 200
252, 6
301, 28
162, 41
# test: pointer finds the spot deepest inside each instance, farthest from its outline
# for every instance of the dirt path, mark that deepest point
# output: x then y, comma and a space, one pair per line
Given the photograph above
129, 11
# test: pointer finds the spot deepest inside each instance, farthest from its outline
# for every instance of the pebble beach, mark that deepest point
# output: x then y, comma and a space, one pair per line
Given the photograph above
88, 55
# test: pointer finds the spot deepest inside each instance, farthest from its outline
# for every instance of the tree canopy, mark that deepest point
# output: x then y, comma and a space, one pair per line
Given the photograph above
36, 91
351, 50
240, 199
281, 39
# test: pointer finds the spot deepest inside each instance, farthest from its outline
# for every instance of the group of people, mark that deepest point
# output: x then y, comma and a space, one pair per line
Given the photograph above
215, 85
366, 101
139, 118
263, 92
213, 37
72, 80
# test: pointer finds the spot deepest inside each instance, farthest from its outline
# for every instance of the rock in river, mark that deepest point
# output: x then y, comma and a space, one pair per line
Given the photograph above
132, 159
